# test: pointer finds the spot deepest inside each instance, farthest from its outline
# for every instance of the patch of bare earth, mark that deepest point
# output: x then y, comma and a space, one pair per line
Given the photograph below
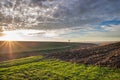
106, 55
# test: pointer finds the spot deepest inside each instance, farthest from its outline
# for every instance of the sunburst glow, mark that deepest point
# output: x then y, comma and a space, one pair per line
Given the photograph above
10, 36
12, 47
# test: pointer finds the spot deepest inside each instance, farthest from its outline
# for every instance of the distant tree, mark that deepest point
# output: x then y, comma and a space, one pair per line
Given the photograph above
69, 40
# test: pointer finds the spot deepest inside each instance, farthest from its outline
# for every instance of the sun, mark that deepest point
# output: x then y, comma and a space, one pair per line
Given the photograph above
10, 36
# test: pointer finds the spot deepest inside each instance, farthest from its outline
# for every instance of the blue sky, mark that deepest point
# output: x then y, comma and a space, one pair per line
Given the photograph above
60, 20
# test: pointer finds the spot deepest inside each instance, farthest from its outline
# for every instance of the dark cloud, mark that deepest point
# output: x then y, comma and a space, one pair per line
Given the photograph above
65, 13
92, 10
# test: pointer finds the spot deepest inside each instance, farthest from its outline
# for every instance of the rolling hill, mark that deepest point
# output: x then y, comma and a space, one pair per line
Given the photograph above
40, 68
104, 55
80, 63
19, 49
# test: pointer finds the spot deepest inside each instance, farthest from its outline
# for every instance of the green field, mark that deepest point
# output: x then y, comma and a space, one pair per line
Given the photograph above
40, 68
17, 49
22, 46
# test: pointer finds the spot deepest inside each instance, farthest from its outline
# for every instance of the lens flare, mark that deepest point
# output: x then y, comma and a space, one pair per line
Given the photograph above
11, 48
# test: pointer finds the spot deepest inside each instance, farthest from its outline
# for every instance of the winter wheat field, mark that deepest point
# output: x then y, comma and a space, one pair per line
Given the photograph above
59, 40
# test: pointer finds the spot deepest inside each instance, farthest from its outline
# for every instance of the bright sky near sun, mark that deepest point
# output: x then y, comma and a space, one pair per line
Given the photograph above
60, 20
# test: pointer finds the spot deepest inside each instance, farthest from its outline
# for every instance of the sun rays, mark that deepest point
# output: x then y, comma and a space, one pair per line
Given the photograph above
11, 48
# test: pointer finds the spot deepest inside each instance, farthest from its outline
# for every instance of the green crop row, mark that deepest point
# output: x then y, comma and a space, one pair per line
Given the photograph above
39, 68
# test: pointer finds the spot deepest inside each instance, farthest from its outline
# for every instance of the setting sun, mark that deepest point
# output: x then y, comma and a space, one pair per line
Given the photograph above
10, 36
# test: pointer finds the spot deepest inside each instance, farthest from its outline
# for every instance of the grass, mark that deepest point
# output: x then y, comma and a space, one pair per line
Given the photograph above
34, 46
13, 49
20, 49
39, 68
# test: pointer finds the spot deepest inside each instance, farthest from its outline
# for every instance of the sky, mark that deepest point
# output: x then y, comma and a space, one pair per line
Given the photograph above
60, 20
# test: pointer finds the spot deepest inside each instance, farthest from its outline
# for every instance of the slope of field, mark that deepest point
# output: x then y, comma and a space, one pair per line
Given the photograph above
17, 49
40, 68
106, 55
19, 46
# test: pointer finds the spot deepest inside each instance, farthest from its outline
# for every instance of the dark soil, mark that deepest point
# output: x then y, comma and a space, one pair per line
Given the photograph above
105, 55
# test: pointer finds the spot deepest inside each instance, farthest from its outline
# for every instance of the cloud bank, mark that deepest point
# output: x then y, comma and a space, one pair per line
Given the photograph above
77, 16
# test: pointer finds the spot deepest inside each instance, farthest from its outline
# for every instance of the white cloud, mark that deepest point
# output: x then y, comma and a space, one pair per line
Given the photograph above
64, 12
111, 27
55, 18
